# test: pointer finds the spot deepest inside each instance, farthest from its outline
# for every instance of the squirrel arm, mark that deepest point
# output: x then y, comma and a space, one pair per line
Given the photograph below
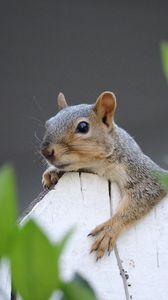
130, 211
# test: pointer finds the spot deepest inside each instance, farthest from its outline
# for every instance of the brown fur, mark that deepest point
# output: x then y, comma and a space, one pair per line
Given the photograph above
108, 151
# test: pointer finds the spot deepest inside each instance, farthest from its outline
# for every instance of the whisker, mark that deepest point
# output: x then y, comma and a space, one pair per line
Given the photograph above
37, 138
40, 157
40, 123
39, 107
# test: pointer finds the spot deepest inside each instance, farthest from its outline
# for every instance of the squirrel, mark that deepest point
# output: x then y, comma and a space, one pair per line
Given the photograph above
86, 138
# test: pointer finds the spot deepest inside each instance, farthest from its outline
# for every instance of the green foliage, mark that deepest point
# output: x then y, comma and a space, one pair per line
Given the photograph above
77, 289
34, 258
7, 208
163, 178
164, 57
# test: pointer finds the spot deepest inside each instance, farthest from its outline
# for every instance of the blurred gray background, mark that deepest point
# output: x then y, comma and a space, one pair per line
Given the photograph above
81, 48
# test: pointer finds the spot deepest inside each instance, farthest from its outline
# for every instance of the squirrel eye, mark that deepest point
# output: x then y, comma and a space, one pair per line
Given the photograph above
83, 127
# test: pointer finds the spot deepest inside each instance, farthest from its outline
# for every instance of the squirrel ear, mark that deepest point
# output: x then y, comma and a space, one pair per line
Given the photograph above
61, 101
105, 107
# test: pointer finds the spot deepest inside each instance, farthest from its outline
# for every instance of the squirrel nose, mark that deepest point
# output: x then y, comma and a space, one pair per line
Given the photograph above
47, 151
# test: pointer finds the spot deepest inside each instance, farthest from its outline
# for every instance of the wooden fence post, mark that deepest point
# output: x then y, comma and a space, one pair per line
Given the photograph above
138, 266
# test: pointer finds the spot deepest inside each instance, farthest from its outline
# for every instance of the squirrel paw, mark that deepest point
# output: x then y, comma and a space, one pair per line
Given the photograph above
105, 240
50, 177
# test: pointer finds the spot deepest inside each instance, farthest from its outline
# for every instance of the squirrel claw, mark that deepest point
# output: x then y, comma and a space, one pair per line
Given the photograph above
110, 246
45, 187
98, 229
97, 258
100, 254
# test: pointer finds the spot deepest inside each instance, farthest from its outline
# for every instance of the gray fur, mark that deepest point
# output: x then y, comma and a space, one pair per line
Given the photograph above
142, 181
56, 127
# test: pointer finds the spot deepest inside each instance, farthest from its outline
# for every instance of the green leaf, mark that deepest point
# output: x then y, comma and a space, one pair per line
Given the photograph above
83, 282
163, 178
7, 208
34, 264
164, 57
77, 289
59, 247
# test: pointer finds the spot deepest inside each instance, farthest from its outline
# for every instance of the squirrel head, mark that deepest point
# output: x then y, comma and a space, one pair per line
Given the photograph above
79, 136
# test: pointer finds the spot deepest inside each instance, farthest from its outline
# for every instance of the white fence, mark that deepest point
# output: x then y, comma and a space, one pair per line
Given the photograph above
137, 268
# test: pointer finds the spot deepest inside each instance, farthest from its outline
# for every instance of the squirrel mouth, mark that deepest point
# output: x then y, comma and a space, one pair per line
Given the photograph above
61, 166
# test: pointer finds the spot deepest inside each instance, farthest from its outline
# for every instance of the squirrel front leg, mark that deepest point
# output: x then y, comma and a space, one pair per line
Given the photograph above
127, 214
50, 177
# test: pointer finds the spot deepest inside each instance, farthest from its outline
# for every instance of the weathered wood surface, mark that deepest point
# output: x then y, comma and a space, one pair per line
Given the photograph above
140, 256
